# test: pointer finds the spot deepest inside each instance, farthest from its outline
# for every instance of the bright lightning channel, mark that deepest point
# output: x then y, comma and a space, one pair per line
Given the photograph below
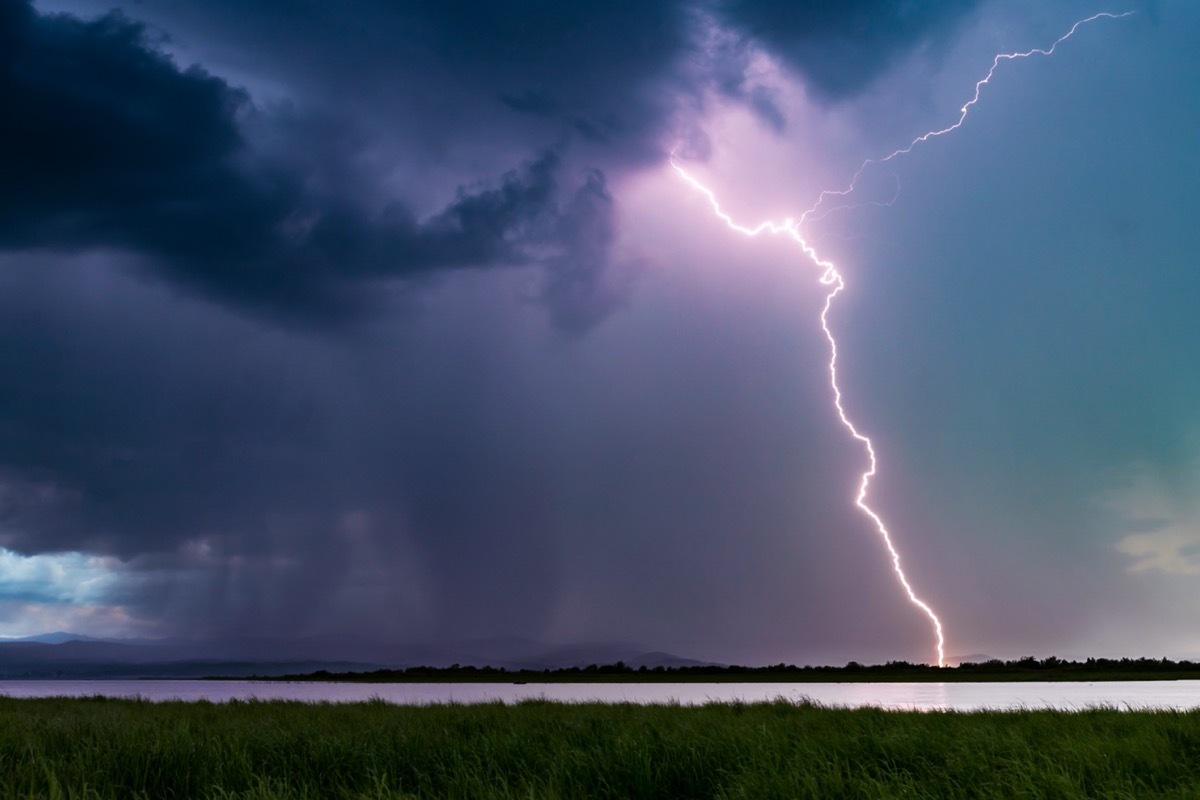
832, 278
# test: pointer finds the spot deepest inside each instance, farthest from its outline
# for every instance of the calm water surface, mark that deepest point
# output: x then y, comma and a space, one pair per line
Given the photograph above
922, 696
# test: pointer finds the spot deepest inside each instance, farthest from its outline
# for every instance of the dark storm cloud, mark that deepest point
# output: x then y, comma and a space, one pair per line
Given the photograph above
593, 64
433, 69
841, 47
109, 144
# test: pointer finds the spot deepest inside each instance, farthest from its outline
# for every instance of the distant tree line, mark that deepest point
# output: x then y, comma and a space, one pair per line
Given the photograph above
1027, 668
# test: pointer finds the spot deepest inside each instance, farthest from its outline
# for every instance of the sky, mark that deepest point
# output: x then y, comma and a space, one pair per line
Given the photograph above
394, 320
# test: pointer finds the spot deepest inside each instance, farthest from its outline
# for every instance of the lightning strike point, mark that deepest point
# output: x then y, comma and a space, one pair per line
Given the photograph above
830, 277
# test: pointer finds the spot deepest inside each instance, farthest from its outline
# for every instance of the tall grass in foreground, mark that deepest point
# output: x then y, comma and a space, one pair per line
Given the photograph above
99, 747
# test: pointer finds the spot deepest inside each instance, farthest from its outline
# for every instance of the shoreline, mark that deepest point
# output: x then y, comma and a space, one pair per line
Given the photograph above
1024, 670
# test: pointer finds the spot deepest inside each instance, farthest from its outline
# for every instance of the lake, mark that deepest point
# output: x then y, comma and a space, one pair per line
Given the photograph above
1179, 695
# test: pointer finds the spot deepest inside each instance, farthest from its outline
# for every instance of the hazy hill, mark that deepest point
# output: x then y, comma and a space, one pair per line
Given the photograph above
66, 655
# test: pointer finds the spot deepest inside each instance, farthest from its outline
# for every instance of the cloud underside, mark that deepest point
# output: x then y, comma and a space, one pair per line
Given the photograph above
111, 146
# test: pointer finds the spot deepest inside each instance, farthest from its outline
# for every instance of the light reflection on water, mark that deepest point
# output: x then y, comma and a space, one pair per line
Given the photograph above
920, 696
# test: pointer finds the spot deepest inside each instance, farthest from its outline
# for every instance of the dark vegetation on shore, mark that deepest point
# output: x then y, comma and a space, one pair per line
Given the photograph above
1025, 669
108, 748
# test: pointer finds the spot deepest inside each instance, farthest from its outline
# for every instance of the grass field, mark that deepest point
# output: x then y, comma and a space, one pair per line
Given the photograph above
128, 749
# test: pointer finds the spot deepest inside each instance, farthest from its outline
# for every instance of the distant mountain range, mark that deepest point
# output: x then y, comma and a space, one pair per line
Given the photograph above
68, 655
57, 637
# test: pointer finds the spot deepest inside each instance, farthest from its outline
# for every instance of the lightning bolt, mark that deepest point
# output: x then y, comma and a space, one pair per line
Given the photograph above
830, 277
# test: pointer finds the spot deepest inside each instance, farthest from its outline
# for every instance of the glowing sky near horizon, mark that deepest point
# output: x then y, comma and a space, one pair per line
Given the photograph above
416, 336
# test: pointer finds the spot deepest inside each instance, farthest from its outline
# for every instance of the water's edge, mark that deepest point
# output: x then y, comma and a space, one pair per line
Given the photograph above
923, 696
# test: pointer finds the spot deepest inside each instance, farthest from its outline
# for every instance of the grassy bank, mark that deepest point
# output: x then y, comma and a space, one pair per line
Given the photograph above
123, 748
